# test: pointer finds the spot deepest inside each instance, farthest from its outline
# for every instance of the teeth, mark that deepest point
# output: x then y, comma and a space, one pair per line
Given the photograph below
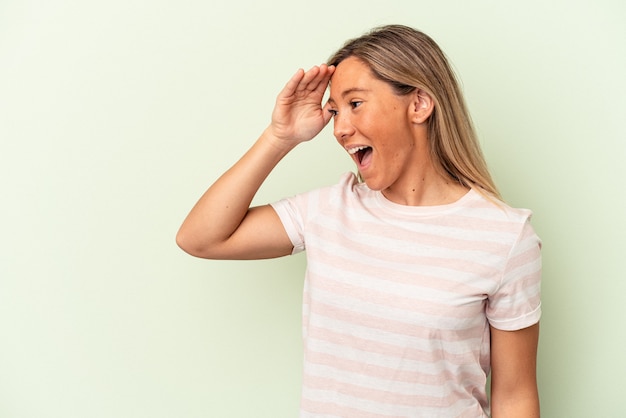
356, 149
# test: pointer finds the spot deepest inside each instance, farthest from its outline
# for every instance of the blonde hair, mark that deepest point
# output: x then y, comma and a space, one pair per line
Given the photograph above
408, 59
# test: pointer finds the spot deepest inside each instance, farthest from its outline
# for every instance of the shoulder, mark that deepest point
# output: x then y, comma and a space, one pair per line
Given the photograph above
347, 189
349, 182
485, 206
496, 221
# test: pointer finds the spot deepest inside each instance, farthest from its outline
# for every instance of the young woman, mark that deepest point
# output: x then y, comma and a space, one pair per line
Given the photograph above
420, 281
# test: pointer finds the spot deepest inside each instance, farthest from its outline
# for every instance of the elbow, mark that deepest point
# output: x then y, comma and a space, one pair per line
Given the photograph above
183, 242
188, 244
199, 246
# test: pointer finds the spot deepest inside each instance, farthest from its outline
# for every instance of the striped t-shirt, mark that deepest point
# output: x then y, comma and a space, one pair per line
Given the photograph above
398, 299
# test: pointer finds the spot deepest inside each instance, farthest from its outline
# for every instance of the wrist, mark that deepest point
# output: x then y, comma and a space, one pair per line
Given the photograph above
281, 144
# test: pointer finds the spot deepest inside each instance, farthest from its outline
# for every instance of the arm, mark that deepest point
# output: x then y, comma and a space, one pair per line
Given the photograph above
513, 373
222, 225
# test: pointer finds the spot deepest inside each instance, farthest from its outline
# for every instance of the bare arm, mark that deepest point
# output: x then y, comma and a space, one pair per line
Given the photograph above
222, 225
513, 373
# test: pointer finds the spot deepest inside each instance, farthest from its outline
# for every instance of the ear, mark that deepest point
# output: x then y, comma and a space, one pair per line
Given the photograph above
422, 106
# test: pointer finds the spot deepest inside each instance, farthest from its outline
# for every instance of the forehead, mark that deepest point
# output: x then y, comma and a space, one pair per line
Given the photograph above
351, 74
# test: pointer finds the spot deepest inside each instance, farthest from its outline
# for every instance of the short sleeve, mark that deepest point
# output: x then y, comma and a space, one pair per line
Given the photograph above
297, 211
292, 221
516, 303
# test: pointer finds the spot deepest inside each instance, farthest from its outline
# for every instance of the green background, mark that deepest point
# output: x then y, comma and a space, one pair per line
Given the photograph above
116, 115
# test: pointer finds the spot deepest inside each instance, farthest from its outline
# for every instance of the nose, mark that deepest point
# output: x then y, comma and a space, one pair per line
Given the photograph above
343, 128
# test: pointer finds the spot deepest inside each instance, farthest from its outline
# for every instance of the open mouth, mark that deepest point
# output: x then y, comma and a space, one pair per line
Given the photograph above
361, 153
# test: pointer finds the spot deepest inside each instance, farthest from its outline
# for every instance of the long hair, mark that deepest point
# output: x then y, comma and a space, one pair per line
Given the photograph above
408, 59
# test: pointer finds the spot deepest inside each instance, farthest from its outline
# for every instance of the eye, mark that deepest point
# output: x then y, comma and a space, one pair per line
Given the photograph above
333, 112
355, 104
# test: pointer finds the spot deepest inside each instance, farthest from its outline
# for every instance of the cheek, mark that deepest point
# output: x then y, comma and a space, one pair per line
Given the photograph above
396, 147
372, 126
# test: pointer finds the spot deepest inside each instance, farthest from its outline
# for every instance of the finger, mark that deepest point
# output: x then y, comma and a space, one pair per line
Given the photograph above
320, 82
326, 113
316, 77
326, 72
309, 78
315, 80
293, 83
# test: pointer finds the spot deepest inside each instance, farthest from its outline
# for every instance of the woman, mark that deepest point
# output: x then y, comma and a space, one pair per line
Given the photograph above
420, 281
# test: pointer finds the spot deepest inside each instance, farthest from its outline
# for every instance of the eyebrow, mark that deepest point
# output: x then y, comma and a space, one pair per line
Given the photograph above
349, 91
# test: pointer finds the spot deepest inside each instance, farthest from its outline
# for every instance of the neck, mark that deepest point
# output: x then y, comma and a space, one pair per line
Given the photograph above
426, 188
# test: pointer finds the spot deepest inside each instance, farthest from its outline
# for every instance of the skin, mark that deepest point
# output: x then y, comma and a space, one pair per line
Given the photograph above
513, 373
366, 112
222, 225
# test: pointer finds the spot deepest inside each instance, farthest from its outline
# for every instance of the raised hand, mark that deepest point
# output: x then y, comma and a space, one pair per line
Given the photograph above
298, 115
222, 224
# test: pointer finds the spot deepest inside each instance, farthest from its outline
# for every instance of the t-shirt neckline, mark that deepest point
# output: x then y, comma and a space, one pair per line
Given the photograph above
423, 210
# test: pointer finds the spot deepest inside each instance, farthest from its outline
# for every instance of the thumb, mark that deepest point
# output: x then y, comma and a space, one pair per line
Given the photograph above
326, 113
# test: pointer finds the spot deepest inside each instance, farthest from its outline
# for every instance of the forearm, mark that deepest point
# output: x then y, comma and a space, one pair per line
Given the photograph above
519, 405
221, 224
513, 373
221, 209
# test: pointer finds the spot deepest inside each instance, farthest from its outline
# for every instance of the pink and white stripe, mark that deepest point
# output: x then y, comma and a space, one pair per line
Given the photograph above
398, 300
